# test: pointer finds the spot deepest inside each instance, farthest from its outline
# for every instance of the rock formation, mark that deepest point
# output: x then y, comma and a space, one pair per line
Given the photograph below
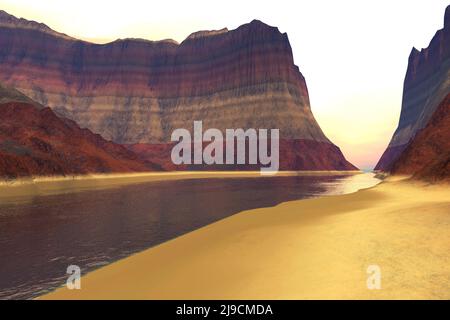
36, 142
427, 156
136, 92
427, 83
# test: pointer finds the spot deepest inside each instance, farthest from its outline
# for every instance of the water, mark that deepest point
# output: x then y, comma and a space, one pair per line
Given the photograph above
41, 236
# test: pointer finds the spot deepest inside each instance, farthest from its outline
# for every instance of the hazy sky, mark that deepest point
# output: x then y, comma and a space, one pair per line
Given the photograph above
352, 53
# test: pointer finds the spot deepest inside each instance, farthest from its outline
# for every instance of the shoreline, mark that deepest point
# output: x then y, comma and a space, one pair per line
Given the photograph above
42, 185
305, 249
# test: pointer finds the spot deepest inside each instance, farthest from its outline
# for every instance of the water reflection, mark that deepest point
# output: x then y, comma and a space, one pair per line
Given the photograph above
349, 184
42, 236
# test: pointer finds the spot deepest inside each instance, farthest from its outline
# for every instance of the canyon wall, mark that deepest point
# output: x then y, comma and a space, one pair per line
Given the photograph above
427, 156
36, 142
135, 91
426, 84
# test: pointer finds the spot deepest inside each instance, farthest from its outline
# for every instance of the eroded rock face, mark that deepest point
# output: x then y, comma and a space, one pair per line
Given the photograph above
428, 154
36, 142
427, 83
137, 92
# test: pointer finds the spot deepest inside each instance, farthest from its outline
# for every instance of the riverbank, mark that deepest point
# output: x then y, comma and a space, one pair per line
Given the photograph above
38, 186
308, 249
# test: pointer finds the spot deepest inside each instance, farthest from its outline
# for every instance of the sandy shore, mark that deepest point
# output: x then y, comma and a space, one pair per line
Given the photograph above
39, 186
307, 249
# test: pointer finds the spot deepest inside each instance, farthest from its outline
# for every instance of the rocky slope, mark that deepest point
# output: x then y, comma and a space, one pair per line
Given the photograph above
35, 142
135, 91
427, 83
428, 155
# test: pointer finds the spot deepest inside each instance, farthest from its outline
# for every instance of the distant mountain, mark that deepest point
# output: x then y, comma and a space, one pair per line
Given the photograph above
36, 142
11, 22
428, 154
426, 85
136, 92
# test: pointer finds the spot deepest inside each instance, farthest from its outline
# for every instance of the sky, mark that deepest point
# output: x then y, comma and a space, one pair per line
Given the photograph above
353, 53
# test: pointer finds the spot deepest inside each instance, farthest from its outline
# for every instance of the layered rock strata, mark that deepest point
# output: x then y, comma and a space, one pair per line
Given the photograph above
426, 84
36, 142
134, 91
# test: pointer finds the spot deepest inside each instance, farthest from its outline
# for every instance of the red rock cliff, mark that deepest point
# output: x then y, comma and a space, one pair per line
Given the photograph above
428, 155
136, 91
427, 83
36, 142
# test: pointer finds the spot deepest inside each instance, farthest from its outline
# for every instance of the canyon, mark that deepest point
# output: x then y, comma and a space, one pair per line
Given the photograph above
136, 92
426, 86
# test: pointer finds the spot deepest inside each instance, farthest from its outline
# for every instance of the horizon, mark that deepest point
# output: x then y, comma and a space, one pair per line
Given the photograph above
337, 90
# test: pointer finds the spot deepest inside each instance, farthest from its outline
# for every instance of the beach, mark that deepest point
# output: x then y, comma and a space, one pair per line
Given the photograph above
309, 249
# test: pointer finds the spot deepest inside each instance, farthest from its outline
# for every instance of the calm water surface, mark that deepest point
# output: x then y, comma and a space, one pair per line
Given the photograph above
41, 236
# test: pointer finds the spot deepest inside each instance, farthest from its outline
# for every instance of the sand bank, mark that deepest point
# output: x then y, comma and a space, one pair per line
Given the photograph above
307, 249
37, 186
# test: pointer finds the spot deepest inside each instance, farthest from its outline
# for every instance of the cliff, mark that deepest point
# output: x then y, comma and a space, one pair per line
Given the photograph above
36, 142
427, 83
135, 91
427, 156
